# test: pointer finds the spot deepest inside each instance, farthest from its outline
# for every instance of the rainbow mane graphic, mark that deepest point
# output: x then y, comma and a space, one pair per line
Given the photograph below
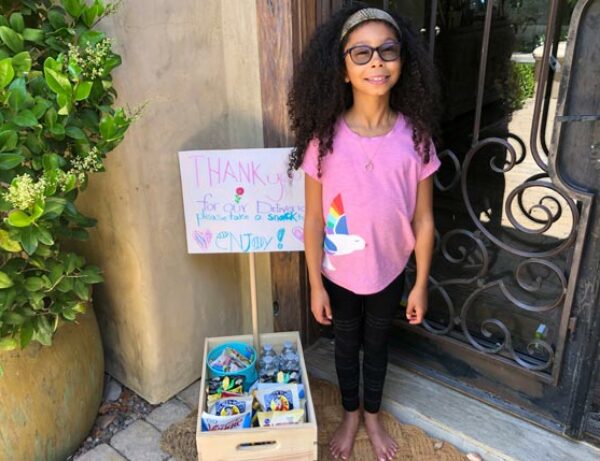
338, 240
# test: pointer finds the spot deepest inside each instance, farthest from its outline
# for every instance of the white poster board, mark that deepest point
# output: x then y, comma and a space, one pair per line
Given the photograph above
241, 201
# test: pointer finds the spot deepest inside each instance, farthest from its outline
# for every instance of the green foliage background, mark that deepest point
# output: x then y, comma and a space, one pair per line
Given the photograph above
520, 85
57, 123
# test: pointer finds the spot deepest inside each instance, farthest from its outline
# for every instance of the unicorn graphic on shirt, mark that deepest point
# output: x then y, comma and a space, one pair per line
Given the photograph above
338, 240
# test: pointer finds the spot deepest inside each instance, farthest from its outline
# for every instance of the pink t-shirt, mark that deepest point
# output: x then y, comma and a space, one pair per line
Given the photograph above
368, 211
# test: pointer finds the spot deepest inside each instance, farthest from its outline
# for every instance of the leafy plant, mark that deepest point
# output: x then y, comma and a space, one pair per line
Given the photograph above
518, 86
57, 124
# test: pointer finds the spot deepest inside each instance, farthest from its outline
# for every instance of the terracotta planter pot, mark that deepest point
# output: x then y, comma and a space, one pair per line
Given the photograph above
49, 396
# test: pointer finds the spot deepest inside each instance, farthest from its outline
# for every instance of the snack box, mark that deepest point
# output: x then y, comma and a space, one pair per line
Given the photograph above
296, 442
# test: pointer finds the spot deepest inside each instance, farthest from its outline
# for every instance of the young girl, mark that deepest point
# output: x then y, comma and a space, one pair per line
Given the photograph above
363, 107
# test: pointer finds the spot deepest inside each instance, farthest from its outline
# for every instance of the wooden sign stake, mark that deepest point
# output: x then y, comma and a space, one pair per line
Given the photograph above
254, 303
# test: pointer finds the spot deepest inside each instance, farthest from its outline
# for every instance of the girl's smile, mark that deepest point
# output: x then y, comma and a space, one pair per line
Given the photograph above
378, 79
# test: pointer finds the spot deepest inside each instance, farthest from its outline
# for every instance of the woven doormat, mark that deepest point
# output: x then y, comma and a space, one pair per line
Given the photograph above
179, 440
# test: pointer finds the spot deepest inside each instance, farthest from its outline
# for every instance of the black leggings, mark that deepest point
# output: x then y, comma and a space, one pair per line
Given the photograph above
362, 320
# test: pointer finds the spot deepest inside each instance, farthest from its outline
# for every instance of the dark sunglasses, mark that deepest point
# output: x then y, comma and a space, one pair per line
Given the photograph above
362, 54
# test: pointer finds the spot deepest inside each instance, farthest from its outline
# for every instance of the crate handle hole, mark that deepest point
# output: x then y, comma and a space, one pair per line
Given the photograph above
266, 445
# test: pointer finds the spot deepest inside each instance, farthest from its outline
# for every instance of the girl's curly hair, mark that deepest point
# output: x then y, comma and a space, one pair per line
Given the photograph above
319, 94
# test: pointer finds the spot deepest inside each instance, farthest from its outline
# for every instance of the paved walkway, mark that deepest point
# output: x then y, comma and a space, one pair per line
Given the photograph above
140, 441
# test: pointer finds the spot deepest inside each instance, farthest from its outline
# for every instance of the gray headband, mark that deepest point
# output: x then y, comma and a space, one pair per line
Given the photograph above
367, 14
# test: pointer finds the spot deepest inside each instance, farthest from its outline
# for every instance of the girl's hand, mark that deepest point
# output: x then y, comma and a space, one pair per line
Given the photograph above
319, 305
416, 306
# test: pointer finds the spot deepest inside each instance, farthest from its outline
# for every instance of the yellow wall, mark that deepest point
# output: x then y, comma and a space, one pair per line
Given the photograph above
197, 66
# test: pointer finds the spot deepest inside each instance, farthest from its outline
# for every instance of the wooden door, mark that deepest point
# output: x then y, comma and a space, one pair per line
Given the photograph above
283, 29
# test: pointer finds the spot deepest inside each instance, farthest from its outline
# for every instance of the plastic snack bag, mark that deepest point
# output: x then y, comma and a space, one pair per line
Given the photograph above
231, 406
277, 386
225, 383
285, 377
222, 423
282, 397
280, 418
224, 386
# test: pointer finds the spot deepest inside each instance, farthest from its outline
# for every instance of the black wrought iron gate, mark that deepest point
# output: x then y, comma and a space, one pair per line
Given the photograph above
513, 313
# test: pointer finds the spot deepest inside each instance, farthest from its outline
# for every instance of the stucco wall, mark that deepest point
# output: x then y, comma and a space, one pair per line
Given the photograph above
196, 66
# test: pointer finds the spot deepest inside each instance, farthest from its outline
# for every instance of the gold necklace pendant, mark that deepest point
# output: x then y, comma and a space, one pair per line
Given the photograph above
369, 165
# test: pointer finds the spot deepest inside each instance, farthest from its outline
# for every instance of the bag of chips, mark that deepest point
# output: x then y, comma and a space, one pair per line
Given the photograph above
224, 383
258, 385
280, 418
233, 412
285, 377
222, 423
231, 406
282, 397
211, 399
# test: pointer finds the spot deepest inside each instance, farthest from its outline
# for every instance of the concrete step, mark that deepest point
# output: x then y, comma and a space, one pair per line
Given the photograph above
466, 423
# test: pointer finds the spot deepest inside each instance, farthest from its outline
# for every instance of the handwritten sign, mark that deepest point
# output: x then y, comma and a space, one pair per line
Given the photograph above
241, 201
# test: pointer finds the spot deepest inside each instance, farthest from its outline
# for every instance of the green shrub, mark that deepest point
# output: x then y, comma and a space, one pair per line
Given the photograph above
519, 85
57, 123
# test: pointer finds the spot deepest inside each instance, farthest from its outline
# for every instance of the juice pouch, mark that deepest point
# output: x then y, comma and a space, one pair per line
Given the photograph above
280, 398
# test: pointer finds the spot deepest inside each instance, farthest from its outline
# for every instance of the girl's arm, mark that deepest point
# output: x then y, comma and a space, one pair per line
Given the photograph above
424, 230
313, 248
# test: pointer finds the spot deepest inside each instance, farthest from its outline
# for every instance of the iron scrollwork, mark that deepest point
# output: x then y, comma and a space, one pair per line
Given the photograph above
502, 266
469, 250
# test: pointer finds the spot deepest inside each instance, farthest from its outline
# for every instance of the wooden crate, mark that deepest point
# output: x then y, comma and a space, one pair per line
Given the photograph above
296, 442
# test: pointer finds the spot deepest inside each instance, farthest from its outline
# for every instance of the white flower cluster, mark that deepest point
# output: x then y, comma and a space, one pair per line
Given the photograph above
89, 163
24, 191
92, 58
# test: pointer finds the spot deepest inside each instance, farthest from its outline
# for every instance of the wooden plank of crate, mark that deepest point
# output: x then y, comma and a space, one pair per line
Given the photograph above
254, 302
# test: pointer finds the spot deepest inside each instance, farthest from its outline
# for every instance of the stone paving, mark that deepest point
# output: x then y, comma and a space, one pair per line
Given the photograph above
140, 441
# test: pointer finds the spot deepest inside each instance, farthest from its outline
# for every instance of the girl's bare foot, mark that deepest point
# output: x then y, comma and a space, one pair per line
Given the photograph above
384, 446
343, 439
